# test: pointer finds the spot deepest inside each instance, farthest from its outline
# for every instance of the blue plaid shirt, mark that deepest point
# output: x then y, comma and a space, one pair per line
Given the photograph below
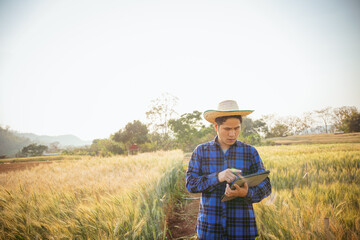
232, 219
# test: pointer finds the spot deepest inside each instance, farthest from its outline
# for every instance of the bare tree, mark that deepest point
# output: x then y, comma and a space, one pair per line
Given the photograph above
306, 121
54, 147
162, 110
326, 116
270, 121
293, 124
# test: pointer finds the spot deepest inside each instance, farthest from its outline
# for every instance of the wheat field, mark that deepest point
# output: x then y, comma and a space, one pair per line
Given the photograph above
316, 192
316, 195
91, 198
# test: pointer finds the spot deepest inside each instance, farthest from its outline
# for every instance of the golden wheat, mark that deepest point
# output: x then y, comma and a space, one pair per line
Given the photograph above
311, 183
92, 198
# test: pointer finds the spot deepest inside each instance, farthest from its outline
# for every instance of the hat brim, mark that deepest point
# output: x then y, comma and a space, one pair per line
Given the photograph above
211, 115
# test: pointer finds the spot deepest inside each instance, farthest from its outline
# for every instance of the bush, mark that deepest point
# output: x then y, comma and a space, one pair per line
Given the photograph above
32, 150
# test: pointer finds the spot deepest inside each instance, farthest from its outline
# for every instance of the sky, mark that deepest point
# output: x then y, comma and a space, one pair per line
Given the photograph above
89, 67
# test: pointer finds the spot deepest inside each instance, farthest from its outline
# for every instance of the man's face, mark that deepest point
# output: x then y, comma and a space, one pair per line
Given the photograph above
228, 132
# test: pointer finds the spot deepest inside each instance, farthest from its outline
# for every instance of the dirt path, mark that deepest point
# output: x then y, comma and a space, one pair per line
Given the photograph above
182, 222
7, 167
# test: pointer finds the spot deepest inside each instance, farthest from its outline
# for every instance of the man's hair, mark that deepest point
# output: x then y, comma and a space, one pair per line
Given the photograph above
221, 120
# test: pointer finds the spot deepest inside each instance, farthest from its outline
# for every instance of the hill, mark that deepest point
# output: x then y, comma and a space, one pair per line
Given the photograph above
318, 138
64, 140
11, 142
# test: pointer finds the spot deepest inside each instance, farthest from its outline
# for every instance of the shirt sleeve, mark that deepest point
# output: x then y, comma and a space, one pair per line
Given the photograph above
261, 191
196, 181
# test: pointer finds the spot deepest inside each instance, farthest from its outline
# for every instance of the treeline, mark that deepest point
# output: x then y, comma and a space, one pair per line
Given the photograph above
328, 120
166, 132
184, 133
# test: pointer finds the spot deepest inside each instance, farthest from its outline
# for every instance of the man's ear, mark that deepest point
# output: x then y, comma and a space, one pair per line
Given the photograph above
216, 127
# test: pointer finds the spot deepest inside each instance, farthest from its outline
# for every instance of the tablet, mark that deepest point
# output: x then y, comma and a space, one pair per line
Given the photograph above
251, 179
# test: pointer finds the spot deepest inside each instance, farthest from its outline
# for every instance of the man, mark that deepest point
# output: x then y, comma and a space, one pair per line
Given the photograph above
211, 169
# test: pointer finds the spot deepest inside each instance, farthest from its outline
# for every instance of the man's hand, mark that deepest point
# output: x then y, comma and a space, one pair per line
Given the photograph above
228, 175
238, 191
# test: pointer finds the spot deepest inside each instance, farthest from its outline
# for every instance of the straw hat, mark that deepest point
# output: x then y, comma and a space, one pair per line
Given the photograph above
225, 108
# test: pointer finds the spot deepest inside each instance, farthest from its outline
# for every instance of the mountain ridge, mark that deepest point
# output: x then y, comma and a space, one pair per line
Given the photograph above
64, 140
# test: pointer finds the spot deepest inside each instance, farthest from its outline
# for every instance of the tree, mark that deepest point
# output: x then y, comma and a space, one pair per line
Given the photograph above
342, 113
251, 131
306, 122
207, 133
296, 124
351, 123
106, 147
279, 130
133, 133
162, 110
33, 150
325, 115
158, 141
292, 123
189, 131
249, 127
270, 121
54, 147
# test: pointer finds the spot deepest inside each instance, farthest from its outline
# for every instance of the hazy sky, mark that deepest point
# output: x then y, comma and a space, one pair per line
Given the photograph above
89, 67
